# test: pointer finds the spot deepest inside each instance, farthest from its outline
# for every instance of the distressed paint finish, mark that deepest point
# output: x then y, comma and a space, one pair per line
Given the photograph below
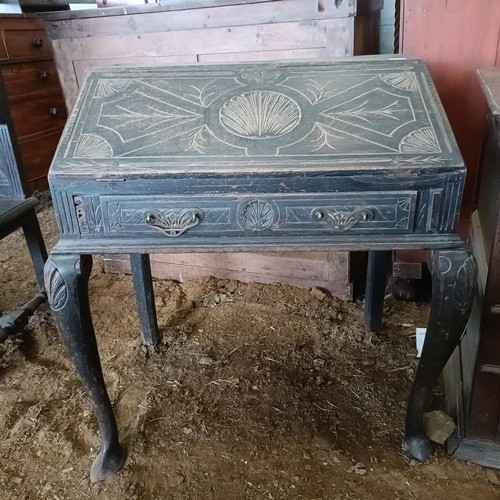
261, 152
312, 116
347, 154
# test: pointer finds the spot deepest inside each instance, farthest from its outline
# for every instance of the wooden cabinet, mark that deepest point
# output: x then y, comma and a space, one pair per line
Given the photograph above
31, 97
473, 379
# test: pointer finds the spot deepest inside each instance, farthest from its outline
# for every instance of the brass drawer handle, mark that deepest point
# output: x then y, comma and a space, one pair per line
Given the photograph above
171, 223
54, 111
38, 43
44, 75
342, 221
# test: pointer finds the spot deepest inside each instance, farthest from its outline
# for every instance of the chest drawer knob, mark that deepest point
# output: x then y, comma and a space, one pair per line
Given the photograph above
172, 223
44, 75
38, 43
54, 111
341, 221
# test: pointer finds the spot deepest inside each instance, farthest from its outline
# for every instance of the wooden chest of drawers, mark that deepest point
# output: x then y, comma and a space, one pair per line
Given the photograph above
31, 97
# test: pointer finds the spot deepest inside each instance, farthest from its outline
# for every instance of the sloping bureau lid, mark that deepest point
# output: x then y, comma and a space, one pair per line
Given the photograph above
344, 114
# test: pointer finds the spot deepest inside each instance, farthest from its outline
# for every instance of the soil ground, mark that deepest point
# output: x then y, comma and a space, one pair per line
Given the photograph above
256, 392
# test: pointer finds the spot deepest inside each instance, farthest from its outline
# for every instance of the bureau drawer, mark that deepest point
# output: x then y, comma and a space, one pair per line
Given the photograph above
258, 216
27, 78
24, 44
32, 116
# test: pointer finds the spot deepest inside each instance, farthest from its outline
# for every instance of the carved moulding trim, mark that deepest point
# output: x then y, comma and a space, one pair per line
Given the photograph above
342, 221
57, 291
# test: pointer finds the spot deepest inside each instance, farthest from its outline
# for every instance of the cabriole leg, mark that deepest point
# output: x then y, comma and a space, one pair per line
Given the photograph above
66, 282
453, 283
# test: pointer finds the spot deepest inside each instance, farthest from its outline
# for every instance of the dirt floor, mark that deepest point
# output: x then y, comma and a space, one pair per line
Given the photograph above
256, 392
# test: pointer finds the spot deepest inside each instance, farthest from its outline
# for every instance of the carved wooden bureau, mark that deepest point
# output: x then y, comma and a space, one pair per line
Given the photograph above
347, 154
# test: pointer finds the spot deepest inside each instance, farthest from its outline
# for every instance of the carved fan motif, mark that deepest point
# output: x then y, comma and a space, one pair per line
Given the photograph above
258, 215
93, 146
403, 81
423, 140
106, 88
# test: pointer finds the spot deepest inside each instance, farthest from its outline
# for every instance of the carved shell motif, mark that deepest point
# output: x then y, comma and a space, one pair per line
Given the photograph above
258, 215
260, 115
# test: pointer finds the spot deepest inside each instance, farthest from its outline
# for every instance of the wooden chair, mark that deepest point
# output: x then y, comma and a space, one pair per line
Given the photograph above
16, 212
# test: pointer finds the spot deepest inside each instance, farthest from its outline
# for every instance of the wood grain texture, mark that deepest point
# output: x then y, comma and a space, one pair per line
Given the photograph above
257, 39
327, 270
27, 44
35, 150
29, 78
208, 16
248, 31
485, 396
46, 112
3, 49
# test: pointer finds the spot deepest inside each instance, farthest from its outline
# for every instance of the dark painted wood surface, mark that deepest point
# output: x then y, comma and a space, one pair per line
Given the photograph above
256, 152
